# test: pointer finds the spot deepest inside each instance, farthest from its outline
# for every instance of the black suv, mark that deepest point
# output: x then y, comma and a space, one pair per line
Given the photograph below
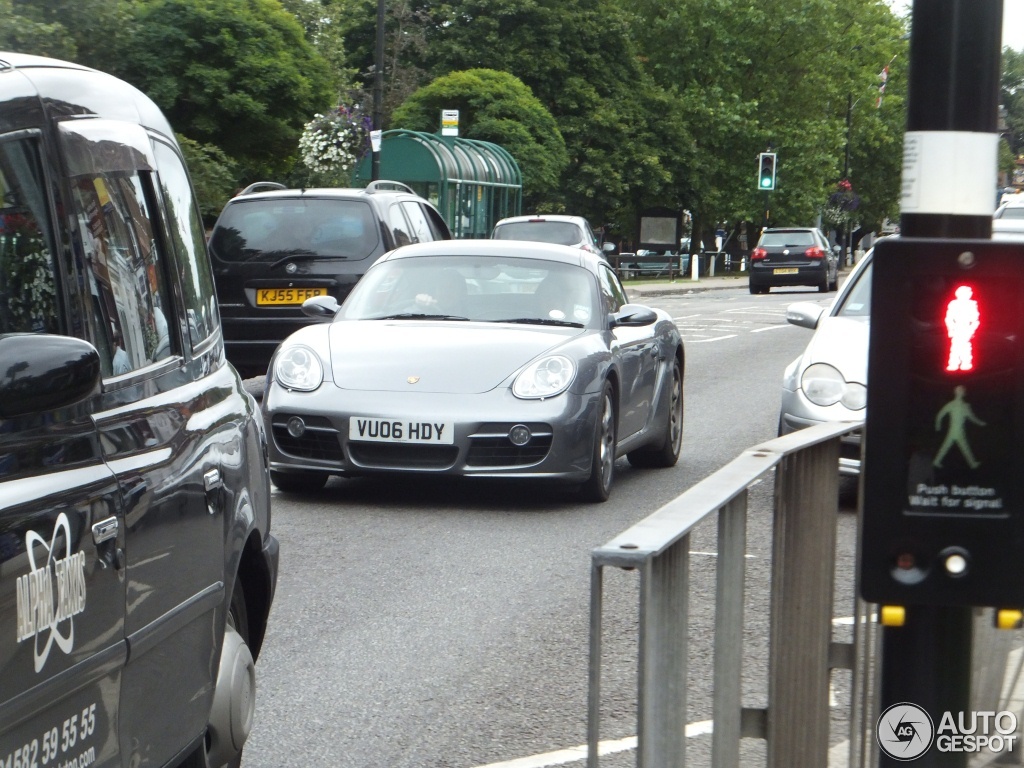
794, 256
274, 249
137, 567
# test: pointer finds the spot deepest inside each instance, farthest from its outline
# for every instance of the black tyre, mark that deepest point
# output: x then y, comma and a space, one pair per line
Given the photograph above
665, 453
298, 482
598, 486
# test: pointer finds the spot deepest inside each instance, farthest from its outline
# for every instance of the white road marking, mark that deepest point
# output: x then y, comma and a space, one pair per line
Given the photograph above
768, 328
577, 754
716, 338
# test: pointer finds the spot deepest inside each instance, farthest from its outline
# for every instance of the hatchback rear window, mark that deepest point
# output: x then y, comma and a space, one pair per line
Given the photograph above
558, 232
267, 230
787, 238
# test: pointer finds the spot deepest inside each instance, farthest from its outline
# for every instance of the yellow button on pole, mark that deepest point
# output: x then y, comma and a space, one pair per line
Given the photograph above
893, 615
1009, 618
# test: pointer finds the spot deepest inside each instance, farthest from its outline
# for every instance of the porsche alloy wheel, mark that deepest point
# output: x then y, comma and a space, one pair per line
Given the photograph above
598, 486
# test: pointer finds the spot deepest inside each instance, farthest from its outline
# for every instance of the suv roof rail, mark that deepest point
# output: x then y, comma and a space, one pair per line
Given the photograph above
256, 186
382, 185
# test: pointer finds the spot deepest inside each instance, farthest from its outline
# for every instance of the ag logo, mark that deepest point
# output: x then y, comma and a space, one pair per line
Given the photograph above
905, 731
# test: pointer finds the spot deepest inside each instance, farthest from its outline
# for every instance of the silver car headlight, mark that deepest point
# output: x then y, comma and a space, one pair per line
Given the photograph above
824, 385
546, 377
298, 367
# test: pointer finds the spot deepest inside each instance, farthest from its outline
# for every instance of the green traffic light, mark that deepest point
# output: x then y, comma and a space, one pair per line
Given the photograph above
766, 182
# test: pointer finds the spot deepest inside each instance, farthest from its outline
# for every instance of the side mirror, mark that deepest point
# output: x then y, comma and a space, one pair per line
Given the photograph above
805, 314
608, 247
43, 372
837, 249
634, 315
320, 307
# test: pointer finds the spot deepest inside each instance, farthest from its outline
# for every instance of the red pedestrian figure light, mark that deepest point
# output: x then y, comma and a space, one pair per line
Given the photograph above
962, 321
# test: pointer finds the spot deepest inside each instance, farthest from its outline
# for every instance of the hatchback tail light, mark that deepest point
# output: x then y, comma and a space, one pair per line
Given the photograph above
757, 254
815, 252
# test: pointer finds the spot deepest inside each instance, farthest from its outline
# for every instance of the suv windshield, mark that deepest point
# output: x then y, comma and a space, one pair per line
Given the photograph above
269, 229
557, 232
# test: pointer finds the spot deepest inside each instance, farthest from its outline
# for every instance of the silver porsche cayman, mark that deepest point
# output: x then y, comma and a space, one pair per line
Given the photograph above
478, 358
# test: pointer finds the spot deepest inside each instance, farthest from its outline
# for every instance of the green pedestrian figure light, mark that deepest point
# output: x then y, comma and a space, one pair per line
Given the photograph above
959, 412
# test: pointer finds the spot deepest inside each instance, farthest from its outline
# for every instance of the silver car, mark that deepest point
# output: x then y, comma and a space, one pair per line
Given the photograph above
477, 358
828, 382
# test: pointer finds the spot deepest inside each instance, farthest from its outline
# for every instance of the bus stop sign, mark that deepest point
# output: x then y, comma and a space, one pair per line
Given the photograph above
943, 485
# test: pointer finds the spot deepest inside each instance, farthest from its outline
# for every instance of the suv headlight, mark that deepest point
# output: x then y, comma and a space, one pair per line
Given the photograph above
824, 385
546, 377
298, 367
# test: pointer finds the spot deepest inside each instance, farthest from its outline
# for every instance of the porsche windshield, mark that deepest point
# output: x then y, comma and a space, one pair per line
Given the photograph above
485, 289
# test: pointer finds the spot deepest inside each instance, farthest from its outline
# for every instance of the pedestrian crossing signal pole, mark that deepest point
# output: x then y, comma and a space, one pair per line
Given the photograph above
942, 495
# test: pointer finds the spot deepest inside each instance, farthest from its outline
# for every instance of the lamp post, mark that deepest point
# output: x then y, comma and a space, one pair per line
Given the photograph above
378, 89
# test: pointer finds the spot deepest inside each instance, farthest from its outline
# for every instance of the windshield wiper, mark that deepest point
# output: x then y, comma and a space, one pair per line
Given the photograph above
417, 316
540, 321
297, 255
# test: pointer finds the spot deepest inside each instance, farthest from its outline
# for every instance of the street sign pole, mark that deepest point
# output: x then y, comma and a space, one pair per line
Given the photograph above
949, 177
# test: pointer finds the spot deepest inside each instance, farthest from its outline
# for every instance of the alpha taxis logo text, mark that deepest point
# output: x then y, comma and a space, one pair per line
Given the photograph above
906, 732
52, 593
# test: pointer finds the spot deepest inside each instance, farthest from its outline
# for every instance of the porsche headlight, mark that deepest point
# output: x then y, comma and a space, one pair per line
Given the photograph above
825, 385
546, 377
299, 368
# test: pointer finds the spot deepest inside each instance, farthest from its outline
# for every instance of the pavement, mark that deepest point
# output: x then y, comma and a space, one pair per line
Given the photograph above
638, 289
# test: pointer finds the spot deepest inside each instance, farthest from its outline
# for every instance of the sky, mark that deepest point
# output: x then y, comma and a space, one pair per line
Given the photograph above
1013, 20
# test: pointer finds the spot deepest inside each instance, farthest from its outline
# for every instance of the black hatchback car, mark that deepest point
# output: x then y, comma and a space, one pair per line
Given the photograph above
794, 256
273, 248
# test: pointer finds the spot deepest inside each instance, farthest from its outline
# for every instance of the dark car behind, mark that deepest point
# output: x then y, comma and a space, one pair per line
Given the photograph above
274, 249
792, 257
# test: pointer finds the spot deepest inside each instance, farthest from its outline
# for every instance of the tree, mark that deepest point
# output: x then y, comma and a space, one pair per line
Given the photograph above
778, 75
237, 74
579, 59
1011, 92
496, 107
87, 31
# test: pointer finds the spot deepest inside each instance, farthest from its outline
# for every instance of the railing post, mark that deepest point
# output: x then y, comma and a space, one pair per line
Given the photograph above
729, 591
803, 568
664, 608
594, 669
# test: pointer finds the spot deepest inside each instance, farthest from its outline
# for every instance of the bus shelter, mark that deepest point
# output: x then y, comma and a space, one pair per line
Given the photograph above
472, 183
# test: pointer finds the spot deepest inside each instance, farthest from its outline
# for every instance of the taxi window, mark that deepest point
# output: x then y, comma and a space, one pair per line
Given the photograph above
28, 293
188, 241
131, 306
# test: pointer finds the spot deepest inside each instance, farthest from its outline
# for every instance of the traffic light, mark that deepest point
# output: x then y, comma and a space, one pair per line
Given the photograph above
943, 486
766, 171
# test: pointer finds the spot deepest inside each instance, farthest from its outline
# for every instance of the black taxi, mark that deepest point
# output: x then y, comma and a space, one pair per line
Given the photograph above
137, 567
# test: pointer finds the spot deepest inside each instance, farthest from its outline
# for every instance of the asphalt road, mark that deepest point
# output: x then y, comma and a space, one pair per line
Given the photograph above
445, 624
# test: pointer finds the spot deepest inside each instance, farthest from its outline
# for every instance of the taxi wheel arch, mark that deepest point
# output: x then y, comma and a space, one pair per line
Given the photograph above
233, 709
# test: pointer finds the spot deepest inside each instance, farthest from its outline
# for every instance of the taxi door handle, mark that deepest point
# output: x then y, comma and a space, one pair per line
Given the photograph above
212, 480
104, 530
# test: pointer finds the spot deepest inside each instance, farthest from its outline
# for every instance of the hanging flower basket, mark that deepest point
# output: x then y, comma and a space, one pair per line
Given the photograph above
841, 204
332, 144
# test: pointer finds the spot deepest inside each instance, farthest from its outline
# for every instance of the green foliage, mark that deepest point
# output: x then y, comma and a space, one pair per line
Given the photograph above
1011, 94
579, 58
499, 108
213, 175
237, 74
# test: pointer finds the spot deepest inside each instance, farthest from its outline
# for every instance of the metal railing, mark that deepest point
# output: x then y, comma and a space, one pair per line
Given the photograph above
802, 650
